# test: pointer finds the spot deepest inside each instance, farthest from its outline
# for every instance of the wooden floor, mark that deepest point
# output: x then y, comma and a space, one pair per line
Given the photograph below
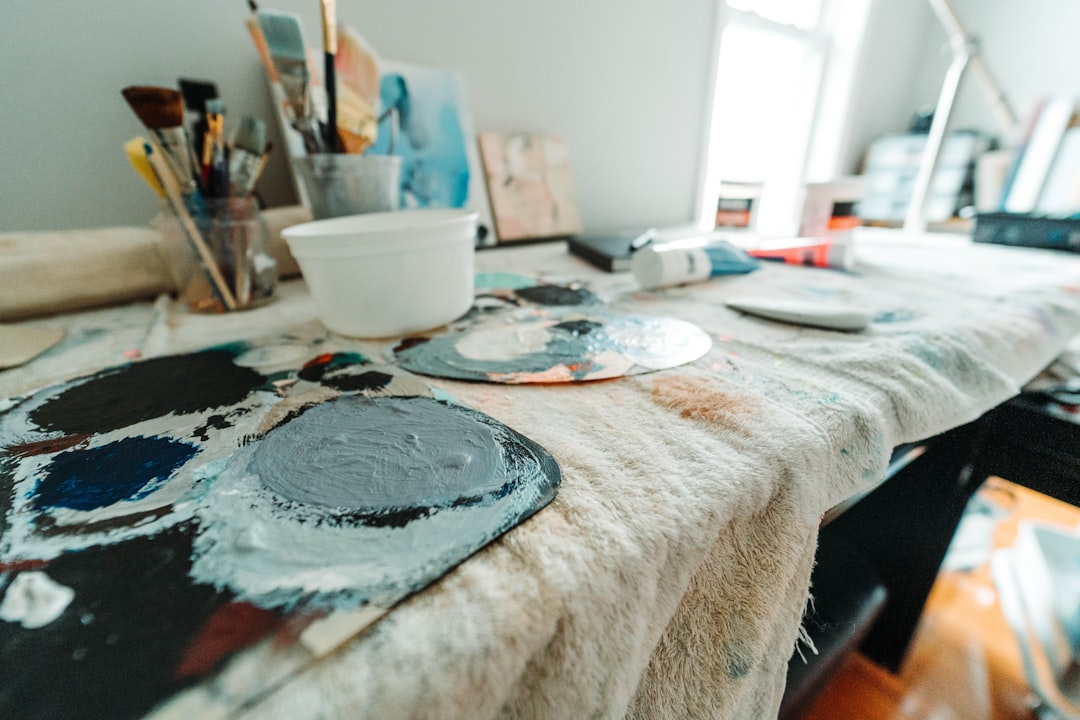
964, 663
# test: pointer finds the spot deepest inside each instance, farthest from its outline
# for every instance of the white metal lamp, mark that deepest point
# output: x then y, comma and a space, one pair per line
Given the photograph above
965, 53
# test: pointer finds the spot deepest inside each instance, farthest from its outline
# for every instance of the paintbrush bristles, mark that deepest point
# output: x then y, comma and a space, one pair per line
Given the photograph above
136, 154
285, 42
156, 107
284, 36
249, 144
251, 135
161, 111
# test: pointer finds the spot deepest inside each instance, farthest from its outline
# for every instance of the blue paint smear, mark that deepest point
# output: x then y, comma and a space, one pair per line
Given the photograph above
431, 141
896, 316
502, 281
98, 477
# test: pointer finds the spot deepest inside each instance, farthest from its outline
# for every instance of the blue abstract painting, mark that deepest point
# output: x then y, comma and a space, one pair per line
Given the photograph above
425, 120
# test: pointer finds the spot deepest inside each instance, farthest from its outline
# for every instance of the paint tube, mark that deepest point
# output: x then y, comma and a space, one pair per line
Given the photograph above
658, 266
837, 251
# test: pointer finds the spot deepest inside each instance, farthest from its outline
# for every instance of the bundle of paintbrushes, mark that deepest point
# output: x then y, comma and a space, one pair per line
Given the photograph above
338, 114
208, 187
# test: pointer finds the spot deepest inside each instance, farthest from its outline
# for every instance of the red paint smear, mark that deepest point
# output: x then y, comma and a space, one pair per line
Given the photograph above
320, 360
23, 565
43, 447
231, 628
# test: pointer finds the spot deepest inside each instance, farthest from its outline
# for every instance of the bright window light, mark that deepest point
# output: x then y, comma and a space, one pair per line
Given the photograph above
774, 94
758, 88
800, 13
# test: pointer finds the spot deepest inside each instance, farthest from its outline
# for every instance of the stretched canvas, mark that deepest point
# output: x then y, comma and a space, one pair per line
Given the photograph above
530, 186
425, 120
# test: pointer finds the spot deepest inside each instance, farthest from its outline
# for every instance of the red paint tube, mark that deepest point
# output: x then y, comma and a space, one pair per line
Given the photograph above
830, 252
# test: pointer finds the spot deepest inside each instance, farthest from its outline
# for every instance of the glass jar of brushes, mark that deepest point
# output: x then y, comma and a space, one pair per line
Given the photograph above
219, 255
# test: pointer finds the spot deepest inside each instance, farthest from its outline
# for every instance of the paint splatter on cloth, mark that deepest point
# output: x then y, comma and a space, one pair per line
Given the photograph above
668, 577
245, 492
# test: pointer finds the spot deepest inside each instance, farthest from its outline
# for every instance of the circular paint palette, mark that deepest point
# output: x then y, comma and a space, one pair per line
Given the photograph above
557, 345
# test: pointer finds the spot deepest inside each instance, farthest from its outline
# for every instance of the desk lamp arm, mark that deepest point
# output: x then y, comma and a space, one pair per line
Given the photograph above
965, 52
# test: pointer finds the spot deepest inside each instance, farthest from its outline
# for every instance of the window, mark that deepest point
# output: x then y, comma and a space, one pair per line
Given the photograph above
784, 70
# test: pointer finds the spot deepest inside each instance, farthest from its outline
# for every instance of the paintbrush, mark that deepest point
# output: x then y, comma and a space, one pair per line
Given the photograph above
161, 111
272, 77
136, 155
214, 168
196, 93
358, 91
262, 163
248, 147
284, 38
329, 36
175, 198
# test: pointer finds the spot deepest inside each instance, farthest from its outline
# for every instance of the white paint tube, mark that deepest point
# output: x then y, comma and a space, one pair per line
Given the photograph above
657, 266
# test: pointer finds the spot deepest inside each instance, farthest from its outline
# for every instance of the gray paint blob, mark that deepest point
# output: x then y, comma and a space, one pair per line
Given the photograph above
380, 455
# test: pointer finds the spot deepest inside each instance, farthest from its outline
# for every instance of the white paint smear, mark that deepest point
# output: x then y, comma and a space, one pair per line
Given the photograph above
34, 600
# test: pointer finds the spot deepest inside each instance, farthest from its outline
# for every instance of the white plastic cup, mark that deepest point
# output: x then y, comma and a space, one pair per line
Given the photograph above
379, 275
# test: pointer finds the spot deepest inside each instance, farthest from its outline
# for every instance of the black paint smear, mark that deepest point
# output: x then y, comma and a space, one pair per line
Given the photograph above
115, 651
317, 367
370, 380
410, 342
122, 396
220, 422
45, 525
558, 295
217, 422
578, 328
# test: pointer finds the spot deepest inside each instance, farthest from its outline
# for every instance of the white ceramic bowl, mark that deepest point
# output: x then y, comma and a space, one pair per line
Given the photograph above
387, 274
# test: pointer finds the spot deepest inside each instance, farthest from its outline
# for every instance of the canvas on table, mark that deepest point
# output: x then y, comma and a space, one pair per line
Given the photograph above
425, 120
529, 185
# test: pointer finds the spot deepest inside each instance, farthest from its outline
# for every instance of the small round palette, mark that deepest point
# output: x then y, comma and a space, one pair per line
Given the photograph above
557, 345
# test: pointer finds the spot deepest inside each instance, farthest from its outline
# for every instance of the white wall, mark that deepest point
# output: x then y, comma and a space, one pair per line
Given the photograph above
624, 81
890, 61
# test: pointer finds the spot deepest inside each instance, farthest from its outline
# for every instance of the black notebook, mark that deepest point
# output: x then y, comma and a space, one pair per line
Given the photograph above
609, 251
